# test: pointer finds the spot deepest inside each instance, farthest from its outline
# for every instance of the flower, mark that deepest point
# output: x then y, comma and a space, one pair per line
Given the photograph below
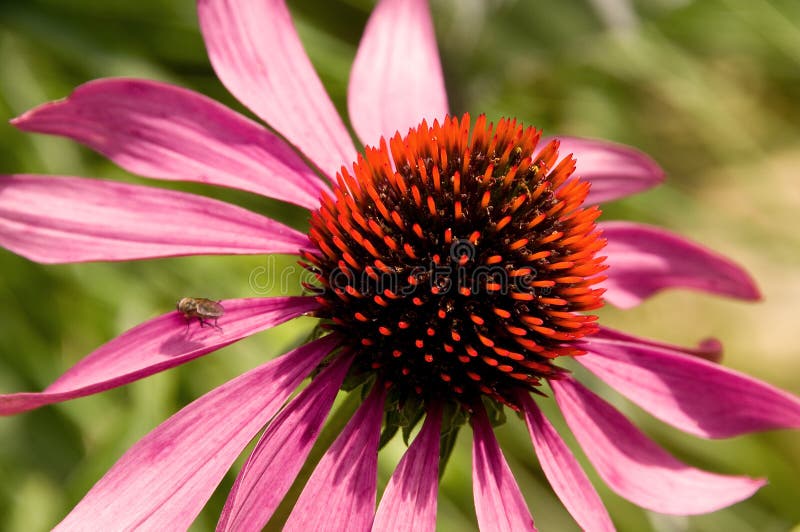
455, 268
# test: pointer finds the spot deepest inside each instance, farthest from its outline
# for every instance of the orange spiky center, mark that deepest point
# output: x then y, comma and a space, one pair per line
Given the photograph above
459, 262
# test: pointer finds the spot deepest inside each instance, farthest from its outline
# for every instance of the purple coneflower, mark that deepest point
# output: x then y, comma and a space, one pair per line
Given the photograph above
455, 267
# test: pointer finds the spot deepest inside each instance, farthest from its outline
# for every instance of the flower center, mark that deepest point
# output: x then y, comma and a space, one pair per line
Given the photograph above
459, 265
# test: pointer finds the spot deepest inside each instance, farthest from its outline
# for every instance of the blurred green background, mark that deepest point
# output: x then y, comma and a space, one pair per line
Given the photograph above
710, 88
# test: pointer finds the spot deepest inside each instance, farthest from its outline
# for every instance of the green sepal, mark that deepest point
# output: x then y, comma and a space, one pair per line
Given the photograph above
411, 422
388, 432
495, 412
401, 412
453, 418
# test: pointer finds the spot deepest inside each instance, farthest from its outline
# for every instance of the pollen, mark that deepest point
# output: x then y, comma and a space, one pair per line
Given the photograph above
458, 261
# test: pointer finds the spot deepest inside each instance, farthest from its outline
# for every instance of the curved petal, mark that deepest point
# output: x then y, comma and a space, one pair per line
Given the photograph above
71, 219
164, 481
696, 396
564, 473
644, 260
615, 170
499, 503
340, 495
162, 131
709, 348
409, 501
257, 54
277, 459
635, 467
157, 345
396, 80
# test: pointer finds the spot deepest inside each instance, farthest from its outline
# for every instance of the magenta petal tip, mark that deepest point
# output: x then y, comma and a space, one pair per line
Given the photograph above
638, 469
644, 260
695, 395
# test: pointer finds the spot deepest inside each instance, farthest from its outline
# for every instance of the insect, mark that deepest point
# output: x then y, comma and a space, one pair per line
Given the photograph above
201, 308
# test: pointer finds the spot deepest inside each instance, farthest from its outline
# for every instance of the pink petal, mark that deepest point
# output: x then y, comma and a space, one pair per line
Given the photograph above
340, 495
164, 481
694, 395
71, 219
396, 80
644, 260
409, 501
615, 170
157, 345
564, 472
257, 54
499, 503
710, 348
162, 131
635, 467
277, 459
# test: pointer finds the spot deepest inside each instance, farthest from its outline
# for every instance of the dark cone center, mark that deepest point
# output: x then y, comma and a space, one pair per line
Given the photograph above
459, 264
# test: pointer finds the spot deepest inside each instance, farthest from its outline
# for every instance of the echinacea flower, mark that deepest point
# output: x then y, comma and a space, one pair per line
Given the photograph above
456, 267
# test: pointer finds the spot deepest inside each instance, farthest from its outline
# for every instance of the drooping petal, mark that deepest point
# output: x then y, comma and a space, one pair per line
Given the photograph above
277, 459
615, 170
396, 80
635, 467
166, 132
409, 501
71, 219
164, 481
644, 260
340, 495
709, 348
564, 473
499, 503
159, 344
694, 395
256, 52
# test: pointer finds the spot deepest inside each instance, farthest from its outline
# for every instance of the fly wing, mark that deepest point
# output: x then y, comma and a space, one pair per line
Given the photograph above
210, 309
